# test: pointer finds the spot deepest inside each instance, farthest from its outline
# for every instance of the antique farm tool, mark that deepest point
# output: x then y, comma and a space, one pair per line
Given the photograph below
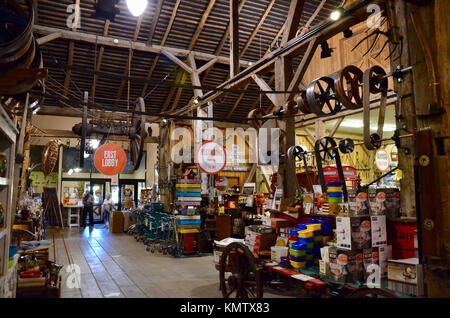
50, 156
135, 131
348, 87
239, 273
374, 82
326, 150
321, 97
20, 58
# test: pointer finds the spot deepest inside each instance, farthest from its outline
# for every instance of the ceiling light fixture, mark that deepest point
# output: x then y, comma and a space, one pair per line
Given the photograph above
197, 100
337, 13
137, 7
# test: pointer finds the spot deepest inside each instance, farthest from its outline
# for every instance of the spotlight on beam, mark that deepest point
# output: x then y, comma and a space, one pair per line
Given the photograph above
326, 50
196, 100
348, 33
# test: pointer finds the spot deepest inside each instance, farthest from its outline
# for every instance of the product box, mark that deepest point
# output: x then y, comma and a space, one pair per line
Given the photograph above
260, 241
116, 222
358, 203
278, 224
406, 276
353, 232
380, 256
379, 234
343, 265
386, 202
324, 268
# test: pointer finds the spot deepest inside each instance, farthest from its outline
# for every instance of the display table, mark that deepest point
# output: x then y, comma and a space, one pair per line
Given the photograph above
74, 214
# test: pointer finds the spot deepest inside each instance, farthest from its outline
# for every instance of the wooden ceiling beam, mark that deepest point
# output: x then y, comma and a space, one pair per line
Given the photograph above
234, 37
257, 27
98, 63
155, 21
130, 58
293, 20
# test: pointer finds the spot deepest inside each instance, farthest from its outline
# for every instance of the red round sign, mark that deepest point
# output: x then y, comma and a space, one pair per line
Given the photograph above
211, 157
110, 159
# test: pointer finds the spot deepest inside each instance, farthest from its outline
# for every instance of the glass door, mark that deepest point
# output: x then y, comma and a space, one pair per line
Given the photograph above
98, 190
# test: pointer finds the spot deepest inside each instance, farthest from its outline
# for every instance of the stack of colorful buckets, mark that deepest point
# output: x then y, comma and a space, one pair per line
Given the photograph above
306, 241
334, 196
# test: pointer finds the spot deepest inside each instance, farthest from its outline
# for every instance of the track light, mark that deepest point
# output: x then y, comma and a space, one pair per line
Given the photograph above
197, 100
326, 50
336, 14
137, 7
348, 33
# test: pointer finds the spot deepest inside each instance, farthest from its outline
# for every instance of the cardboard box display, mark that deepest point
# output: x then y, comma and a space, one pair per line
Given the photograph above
385, 202
353, 232
278, 224
406, 276
260, 241
116, 222
379, 233
358, 203
343, 265
380, 256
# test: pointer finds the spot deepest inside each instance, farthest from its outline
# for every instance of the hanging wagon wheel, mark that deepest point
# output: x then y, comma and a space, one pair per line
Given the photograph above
372, 293
321, 97
327, 149
296, 152
137, 134
348, 87
346, 145
378, 83
239, 276
254, 116
302, 104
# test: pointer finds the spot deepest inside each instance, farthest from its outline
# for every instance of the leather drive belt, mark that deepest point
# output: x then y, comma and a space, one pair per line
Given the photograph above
374, 82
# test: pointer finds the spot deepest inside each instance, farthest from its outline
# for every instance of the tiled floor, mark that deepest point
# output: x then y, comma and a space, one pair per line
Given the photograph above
115, 265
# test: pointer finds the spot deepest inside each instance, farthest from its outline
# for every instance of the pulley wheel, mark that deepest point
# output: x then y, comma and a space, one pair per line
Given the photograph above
348, 87
254, 116
326, 149
378, 83
346, 145
302, 104
321, 97
375, 140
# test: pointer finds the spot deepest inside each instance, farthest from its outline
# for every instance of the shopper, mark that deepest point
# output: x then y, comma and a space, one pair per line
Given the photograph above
107, 207
88, 207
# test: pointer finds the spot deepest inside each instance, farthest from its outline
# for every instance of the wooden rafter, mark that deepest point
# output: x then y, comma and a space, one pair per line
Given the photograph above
191, 46
155, 21
257, 27
130, 58
98, 63
234, 38
293, 20
163, 42
71, 52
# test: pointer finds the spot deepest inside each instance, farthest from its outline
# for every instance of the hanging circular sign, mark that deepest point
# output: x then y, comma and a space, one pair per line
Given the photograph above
382, 160
211, 157
110, 159
221, 183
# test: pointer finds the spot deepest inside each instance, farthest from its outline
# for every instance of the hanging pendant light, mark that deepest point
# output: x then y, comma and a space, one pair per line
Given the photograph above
137, 7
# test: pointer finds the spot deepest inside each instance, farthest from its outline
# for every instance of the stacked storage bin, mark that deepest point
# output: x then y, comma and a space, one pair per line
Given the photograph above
306, 238
335, 196
317, 239
296, 252
188, 195
326, 228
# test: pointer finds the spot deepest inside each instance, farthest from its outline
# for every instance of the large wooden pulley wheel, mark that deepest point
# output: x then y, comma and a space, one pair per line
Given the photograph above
348, 85
137, 134
238, 273
302, 103
346, 145
321, 97
255, 118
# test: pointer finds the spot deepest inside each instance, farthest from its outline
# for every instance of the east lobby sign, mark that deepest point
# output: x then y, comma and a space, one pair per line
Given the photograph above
110, 159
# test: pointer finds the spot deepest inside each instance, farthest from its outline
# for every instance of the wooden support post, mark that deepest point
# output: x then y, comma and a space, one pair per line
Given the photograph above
234, 37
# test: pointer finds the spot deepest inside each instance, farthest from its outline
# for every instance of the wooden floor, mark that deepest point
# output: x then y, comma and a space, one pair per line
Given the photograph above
115, 265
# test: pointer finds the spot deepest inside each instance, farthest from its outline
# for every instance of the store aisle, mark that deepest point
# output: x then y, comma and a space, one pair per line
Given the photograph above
115, 265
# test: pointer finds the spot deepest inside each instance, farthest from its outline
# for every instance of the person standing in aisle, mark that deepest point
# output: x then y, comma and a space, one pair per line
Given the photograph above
107, 207
88, 207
